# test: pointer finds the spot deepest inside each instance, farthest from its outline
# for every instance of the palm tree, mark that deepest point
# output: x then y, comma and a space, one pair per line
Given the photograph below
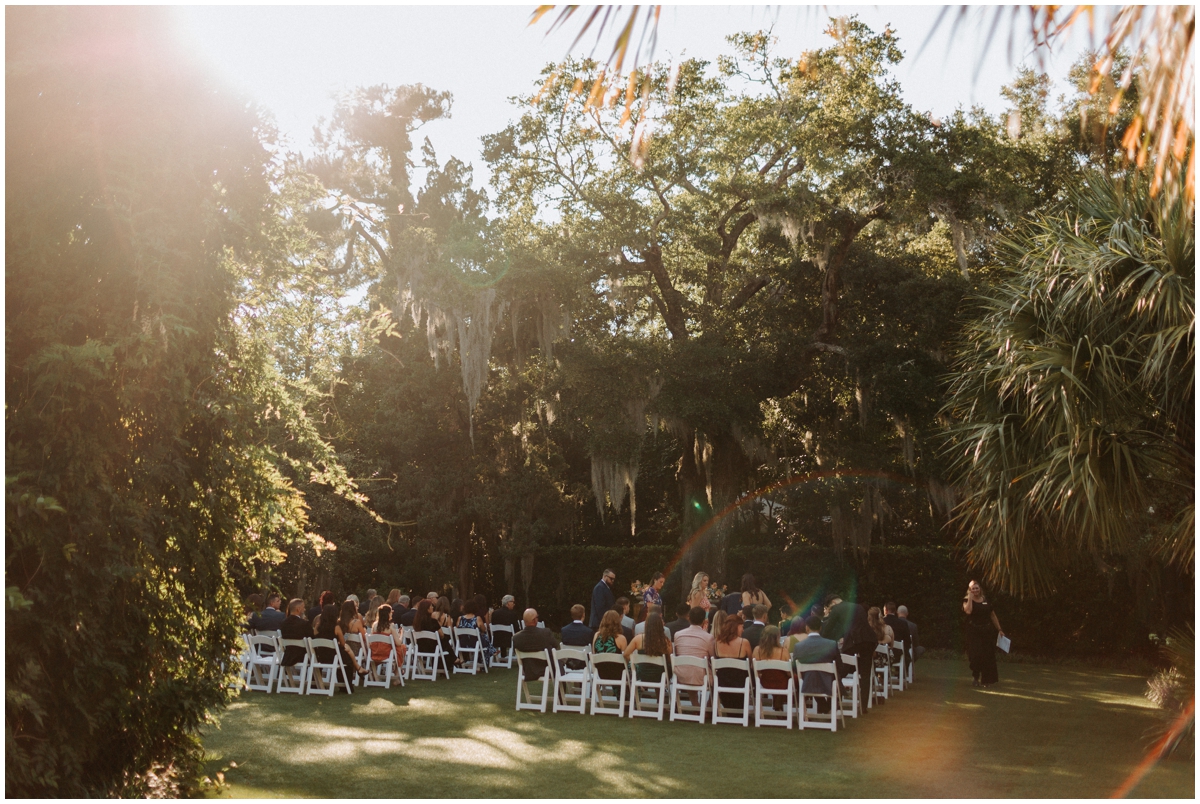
1073, 393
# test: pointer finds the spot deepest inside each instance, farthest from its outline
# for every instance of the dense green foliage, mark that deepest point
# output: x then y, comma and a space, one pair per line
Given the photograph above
231, 368
141, 429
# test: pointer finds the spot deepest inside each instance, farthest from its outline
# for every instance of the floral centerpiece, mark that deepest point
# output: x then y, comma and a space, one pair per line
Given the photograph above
636, 589
714, 593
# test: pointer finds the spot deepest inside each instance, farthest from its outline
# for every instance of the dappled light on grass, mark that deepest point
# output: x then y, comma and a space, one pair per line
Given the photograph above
463, 738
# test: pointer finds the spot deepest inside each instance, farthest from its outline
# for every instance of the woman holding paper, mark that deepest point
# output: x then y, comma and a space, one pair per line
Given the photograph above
982, 628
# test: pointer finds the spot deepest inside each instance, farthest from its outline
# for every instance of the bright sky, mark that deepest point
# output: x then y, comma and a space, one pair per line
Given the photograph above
292, 59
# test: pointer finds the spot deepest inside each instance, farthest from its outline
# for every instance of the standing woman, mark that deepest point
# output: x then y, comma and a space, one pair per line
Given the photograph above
651, 596
982, 628
698, 596
751, 594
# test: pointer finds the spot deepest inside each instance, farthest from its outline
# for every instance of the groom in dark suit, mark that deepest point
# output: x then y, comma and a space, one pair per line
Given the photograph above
603, 598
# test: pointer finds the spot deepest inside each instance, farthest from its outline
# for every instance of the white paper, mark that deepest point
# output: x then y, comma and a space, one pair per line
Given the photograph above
1003, 643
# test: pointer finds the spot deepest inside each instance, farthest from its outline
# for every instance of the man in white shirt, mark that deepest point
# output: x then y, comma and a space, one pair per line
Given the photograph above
694, 641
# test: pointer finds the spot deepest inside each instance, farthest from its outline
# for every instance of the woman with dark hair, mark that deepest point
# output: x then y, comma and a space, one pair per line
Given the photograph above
350, 622
456, 609
483, 611
652, 642
441, 612
609, 639
883, 631
982, 630
470, 619
329, 627
424, 620
751, 594
731, 645
651, 596
380, 651
314, 614
769, 649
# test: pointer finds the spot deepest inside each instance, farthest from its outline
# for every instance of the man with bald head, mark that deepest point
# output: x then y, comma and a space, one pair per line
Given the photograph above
532, 639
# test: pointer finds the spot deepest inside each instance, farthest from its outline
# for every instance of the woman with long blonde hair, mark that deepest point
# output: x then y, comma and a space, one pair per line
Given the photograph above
698, 596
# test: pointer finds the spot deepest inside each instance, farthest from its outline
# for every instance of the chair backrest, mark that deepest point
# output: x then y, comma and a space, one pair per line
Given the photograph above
418, 635
561, 655
315, 643
534, 656
700, 662
597, 659
641, 658
731, 664
380, 655
828, 667
882, 649
771, 664
259, 641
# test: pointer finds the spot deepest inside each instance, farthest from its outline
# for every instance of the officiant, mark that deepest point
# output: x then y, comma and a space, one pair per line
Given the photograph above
982, 630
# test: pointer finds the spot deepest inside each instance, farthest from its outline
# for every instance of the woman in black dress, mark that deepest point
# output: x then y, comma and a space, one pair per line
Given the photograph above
982, 628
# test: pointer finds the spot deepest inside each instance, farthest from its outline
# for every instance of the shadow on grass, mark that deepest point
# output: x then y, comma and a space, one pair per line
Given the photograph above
1043, 732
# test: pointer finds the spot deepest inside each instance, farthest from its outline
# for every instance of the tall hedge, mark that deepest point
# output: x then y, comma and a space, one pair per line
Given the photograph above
1091, 613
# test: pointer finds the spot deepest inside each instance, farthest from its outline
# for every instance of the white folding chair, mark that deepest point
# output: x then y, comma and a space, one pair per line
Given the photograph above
240, 656
608, 691
719, 708
880, 674
771, 716
260, 665
355, 644
322, 677
897, 668
850, 687
572, 685
504, 649
291, 677
469, 648
834, 697
380, 671
680, 708
428, 661
525, 699
410, 643
653, 693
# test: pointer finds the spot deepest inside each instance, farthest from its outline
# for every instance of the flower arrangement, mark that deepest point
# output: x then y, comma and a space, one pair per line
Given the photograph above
714, 593
636, 589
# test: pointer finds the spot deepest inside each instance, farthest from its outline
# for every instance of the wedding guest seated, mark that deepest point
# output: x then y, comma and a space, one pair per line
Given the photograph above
731, 645
531, 639
470, 619
366, 604
507, 613
576, 634
899, 627
752, 631
609, 639
652, 641
270, 617
917, 647
681, 619
769, 649
326, 599
372, 612
693, 641
333, 626
621, 607
380, 651
294, 626
250, 610
718, 621
410, 614
647, 610
816, 649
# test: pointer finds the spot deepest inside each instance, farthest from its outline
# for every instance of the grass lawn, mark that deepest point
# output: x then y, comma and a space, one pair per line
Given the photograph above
1043, 732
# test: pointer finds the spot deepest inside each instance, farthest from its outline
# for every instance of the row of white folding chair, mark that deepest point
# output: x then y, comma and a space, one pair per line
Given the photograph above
575, 687
504, 649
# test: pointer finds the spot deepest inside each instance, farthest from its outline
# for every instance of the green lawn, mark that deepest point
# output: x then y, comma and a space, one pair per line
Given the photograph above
1044, 732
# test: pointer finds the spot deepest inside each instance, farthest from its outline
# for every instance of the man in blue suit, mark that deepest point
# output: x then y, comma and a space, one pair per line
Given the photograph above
816, 649
603, 598
575, 634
